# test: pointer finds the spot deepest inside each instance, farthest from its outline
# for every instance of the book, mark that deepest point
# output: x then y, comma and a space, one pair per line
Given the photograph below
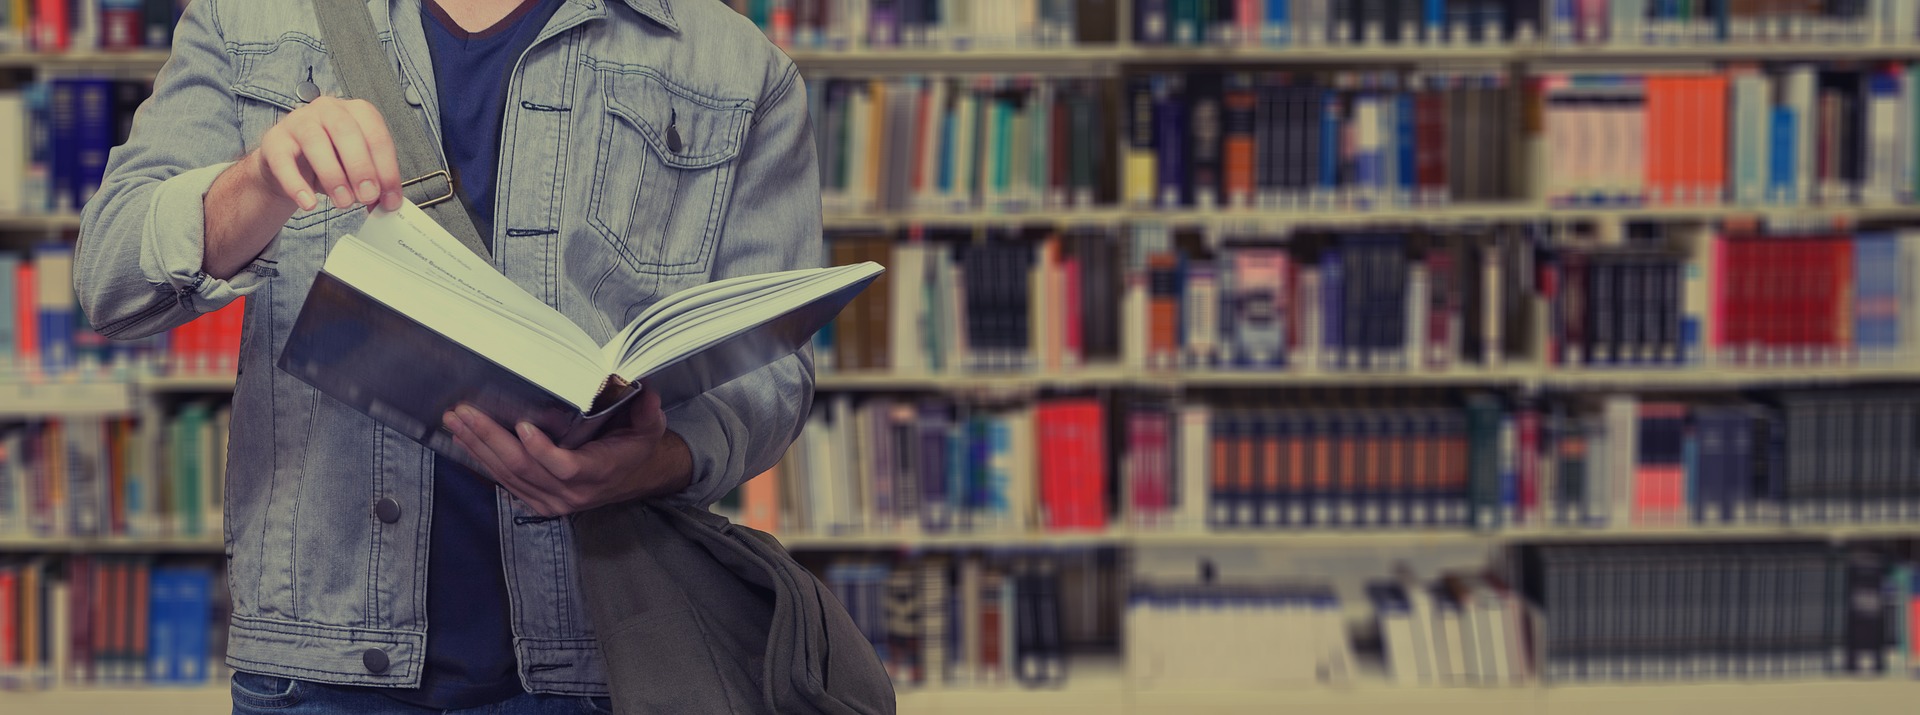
404, 323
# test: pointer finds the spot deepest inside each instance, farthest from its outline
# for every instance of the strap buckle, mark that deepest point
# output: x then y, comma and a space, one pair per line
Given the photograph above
443, 175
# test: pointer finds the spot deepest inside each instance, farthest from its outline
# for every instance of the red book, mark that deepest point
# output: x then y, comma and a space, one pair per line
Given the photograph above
1442, 308
1430, 142
9, 629
1059, 149
51, 28
140, 616
121, 28
26, 318
1074, 439
1528, 427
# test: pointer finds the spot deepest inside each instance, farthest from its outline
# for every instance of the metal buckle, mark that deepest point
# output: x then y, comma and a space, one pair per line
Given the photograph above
429, 202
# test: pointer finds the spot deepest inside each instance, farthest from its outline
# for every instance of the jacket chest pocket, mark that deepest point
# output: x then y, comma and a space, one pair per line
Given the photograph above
663, 171
273, 81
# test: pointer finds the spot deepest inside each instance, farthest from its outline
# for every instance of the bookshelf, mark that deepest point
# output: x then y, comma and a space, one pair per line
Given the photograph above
1098, 683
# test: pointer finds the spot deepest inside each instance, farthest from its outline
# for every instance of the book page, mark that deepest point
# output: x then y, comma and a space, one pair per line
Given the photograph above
701, 325
412, 240
469, 320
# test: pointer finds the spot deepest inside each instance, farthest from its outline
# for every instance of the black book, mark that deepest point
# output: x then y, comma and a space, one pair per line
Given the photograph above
1205, 137
1096, 21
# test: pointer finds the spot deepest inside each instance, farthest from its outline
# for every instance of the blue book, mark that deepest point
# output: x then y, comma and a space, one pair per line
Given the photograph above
53, 281
93, 136
959, 473
1434, 19
1780, 175
936, 506
1876, 309
1329, 142
193, 613
1277, 29
1170, 129
1404, 141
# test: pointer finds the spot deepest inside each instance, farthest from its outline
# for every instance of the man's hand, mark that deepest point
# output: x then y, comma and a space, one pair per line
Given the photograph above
637, 460
339, 147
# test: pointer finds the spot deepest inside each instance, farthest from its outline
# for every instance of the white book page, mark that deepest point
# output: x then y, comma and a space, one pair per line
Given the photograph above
670, 309
469, 320
710, 324
412, 240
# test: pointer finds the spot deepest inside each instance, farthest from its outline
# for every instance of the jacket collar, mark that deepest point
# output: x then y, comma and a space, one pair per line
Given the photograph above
655, 10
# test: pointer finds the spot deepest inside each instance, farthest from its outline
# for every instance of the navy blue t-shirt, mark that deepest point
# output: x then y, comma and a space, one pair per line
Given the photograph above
470, 660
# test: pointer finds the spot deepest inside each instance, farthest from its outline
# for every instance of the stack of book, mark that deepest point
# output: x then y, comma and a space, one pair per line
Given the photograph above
92, 477
109, 620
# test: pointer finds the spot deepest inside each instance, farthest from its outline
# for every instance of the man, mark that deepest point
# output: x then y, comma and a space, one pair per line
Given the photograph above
614, 151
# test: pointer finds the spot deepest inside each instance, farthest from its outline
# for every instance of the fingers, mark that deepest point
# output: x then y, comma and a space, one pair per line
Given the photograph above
345, 146
316, 146
562, 464
281, 154
386, 165
500, 452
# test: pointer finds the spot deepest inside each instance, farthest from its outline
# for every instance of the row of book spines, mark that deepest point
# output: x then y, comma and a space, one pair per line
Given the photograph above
846, 24
43, 331
1045, 467
105, 620
80, 478
1697, 612
1442, 22
1204, 139
65, 25
980, 620
949, 145
1735, 136
1384, 302
54, 138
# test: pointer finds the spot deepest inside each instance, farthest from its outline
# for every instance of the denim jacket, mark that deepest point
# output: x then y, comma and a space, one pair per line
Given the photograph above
597, 215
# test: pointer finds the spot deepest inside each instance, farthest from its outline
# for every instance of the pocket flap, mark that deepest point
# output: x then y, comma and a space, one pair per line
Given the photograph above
274, 74
709, 130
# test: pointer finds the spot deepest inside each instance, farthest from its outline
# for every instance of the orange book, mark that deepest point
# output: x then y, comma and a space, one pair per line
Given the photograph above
139, 616
1320, 469
1713, 166
760, 501
1163, 309
9, 628
1239, 143
1658, 145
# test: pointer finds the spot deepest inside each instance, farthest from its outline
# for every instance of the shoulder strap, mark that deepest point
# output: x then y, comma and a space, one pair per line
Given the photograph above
365, 73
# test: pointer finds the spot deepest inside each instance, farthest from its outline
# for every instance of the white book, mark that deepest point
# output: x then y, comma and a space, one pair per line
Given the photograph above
1195, 472
964, 154
1024, 483
907, 316
1450, 645
1622, 415
1884, 130
13, 150
1800, 93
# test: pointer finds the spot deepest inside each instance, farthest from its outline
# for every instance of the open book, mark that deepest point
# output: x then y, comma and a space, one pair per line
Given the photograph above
404, 323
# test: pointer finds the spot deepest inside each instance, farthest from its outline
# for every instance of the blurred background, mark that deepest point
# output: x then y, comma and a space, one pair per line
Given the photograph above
1490, 356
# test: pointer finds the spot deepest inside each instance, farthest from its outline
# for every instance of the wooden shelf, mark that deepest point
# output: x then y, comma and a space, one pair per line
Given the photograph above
1100, 687
138, 60
42, 223
28, 399
146, 700
187, 383
1338, 538
113, 545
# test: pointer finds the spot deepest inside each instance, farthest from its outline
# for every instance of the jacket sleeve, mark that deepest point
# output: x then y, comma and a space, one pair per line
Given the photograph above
137, 268
742, 428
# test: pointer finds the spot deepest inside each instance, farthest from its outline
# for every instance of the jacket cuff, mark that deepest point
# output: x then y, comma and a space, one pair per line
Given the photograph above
707, 426
175, 243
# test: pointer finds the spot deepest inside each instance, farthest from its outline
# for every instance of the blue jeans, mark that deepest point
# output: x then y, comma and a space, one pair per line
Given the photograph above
269, 695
